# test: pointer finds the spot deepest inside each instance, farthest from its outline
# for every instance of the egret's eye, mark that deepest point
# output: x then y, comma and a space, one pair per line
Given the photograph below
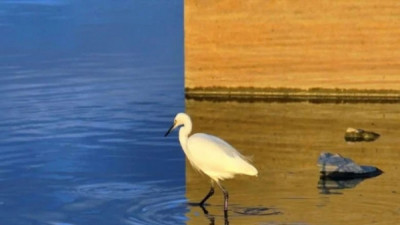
174, 121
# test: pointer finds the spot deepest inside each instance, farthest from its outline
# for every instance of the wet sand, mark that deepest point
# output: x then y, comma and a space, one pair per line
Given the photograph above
294, 94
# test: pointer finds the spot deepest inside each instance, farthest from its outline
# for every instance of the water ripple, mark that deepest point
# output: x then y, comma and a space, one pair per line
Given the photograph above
149, 202
109, 191
166, 206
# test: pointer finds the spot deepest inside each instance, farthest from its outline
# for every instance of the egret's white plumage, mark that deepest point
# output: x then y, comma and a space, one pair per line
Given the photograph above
211, 155
216, 158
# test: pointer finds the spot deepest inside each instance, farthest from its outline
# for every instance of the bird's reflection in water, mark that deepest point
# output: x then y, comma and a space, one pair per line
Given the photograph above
245, 211
211, 218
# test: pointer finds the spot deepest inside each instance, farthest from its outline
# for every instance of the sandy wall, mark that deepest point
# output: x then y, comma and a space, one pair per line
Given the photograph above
301, 44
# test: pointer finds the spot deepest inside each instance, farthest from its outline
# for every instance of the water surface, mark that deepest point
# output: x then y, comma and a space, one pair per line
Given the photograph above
285, 140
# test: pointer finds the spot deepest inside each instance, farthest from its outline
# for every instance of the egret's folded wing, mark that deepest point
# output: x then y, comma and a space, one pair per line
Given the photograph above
213, 155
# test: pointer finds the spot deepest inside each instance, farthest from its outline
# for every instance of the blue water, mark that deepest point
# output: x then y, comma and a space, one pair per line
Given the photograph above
87, 91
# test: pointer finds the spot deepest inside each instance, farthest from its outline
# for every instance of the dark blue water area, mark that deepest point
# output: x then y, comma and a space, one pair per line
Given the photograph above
87, 91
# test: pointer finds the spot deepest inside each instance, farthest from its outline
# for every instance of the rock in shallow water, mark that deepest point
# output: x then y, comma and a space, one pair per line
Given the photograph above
335, 166
354, 135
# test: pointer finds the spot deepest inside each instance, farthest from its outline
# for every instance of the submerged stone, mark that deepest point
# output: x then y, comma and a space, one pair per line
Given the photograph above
335, 166
354, 135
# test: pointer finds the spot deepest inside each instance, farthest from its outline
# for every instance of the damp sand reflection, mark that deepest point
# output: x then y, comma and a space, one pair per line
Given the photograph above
285, 140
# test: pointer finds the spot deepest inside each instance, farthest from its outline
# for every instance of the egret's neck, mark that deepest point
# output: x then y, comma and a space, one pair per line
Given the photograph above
184, 135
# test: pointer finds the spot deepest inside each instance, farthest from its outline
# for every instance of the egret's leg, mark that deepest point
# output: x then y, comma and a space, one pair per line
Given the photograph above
226, 196
210, 193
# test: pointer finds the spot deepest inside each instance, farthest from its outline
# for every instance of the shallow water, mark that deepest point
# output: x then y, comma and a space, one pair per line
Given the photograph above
285, 140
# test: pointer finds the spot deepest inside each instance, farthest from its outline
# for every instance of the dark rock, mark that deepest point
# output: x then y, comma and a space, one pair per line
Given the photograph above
355, 135
336, 167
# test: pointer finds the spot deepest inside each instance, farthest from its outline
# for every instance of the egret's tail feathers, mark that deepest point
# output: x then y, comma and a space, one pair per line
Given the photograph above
248, 158
248, 169
252, 171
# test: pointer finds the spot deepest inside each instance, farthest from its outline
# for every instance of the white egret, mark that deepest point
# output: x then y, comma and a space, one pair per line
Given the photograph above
211, 155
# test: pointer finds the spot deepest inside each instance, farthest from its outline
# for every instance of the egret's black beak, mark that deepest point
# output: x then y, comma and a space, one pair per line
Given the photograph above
169, 130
